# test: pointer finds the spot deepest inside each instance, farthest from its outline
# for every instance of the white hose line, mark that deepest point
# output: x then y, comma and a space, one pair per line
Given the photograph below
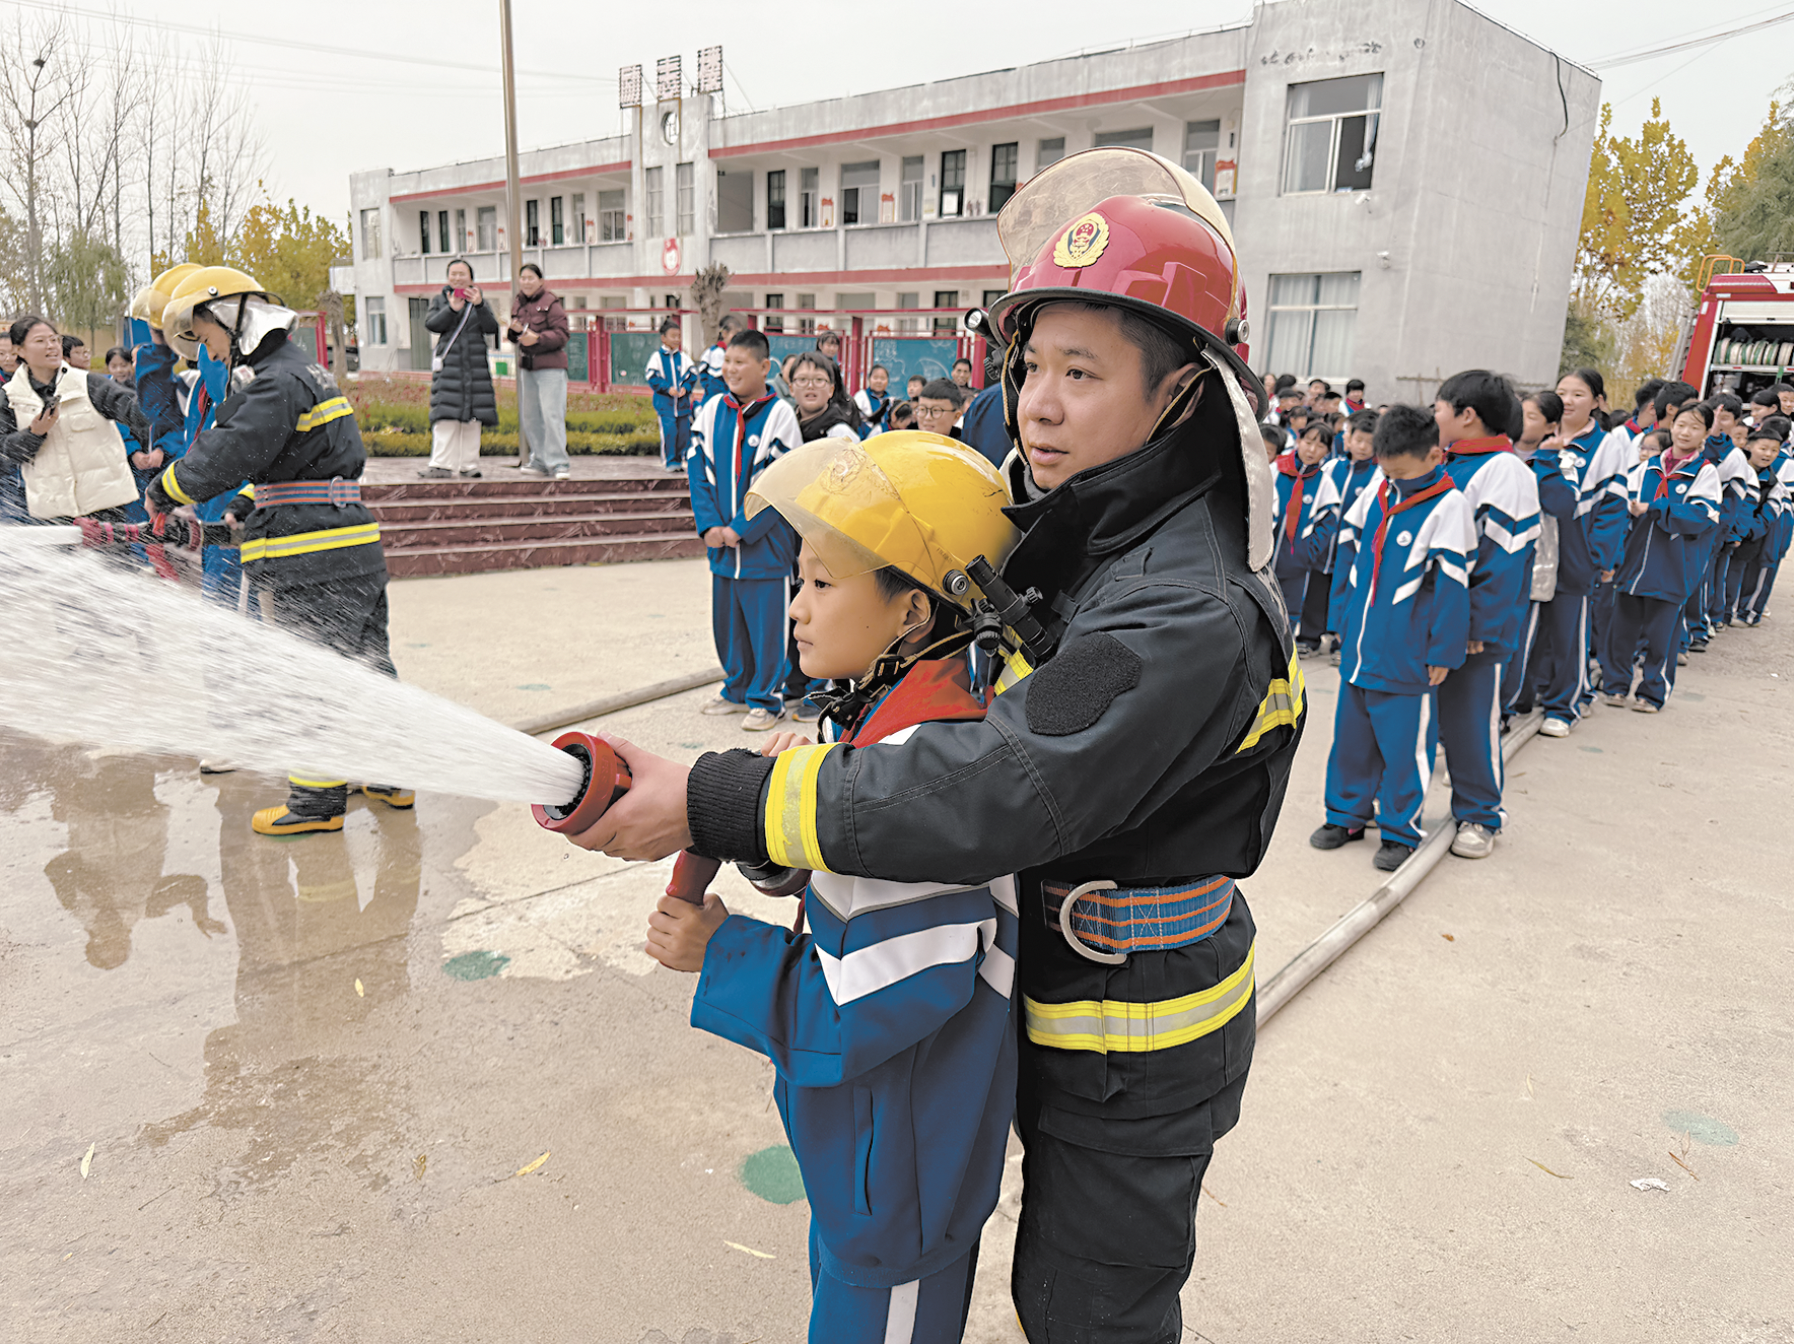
1289, 981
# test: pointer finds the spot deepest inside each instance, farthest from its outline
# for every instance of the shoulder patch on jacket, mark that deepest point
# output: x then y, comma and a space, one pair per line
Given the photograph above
1076, 687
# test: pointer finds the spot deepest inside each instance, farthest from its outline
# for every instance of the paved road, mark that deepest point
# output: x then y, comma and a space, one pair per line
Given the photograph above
319, 1078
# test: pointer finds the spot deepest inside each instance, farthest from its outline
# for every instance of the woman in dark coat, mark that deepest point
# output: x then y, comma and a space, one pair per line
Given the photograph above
461, 395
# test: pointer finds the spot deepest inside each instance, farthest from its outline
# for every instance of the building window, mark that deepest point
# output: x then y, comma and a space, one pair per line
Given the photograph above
775, 199
909, 326
946, 298
557, 222
806, 326
442, 231
1140, 138
1002, 175
652, 216
374, 310
775, 321
1202, 141
1332, 134
423, 229
808, 181
611, 227
370, 234
685, 184
532, 223
576, 226
1313, 321
1049, 152
909, 198
734, 202
992, 295
488, 228
953, 182
463, 239
859, 193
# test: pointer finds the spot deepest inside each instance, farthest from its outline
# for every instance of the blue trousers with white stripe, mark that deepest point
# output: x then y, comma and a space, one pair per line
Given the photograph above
923, 1311
675, 439
1384, 745
1470, 731
1656, 622
1517, 692
1560, 656
748, 622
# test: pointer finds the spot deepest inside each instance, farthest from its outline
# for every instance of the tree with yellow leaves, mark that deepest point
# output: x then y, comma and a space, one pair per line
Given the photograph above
1630, 214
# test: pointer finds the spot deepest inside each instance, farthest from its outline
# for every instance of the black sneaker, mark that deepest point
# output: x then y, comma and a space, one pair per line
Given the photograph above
1332, 837
1391, 855
471, 473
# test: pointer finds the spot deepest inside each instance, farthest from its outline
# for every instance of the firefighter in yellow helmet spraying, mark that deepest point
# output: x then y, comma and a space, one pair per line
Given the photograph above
310, 546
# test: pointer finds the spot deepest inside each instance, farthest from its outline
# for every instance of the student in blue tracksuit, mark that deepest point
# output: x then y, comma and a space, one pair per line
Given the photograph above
874, 401
888, 1021
1299, 552
1591, 534
1343, 479
710, 368
1675, 506
735, 437
1404, 555
1754, 557
1735, 480
1470, 410
674, 379
1540, 413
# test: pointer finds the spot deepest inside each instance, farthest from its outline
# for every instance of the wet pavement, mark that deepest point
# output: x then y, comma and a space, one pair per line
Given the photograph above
416, 1081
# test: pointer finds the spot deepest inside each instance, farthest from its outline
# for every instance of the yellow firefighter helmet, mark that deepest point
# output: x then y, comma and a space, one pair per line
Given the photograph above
210, 285
150, 301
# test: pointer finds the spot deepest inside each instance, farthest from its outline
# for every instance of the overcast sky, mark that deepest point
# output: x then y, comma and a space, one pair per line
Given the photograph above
325, 115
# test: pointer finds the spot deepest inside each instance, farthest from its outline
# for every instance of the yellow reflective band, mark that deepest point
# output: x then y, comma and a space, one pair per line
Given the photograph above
1282, 705
172, 488
316, 783
1016, 668
324, 412
303, 543
248, 490
791, 808
1112, 1025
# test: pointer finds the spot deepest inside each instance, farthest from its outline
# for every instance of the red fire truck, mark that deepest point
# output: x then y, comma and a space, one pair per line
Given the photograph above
1741, 338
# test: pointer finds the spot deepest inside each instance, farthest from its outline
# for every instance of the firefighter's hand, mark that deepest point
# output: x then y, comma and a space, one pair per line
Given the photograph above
678, 931
648, 822
1436, 675
784, 742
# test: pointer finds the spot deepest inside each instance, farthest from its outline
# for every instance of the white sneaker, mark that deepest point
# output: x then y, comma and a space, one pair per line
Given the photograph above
722, 706
1554, 728
1474, 841
759, 720
1617, 701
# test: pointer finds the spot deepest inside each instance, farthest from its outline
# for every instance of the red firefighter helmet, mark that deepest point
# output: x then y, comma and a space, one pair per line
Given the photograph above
1124, 227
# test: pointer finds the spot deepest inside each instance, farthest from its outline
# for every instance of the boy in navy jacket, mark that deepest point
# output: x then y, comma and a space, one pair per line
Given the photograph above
733, 439
887, 1022
1471, 410
1675, 505
1403, 573
1755, 557
1343, 479
674, 379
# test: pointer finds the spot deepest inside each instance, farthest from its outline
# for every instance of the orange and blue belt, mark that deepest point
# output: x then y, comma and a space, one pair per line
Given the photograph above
1121, 920
335, 491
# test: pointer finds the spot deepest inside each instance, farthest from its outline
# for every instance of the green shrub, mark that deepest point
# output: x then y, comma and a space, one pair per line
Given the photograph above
498, 443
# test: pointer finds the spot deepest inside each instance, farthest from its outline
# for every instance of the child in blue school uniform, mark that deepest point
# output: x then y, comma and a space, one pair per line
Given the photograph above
674, 380
734, 438
1405, 550
1343, 479
1726, 453
710, 367
1473, 410
1298, 481
888, 1021
1764, 533
1674, 503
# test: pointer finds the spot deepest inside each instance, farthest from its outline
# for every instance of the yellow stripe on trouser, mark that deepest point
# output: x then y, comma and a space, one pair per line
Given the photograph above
303, 543
324, 412
791, 808
1282, 705
172, 487
316, 783
1112, 1025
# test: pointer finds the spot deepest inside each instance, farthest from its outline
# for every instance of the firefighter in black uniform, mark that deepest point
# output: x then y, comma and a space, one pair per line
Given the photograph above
309, 544
1134, 760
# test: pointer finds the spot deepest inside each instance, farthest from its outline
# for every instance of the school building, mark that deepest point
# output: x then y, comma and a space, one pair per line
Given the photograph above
1404, 179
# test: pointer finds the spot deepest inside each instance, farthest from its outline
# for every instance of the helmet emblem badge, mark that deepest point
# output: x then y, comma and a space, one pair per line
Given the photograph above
1083, 243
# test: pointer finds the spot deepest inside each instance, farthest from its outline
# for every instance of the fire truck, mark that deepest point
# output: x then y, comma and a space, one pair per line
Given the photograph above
1741, 338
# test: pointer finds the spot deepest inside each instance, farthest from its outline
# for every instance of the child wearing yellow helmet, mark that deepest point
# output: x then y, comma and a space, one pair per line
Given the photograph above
887, 1020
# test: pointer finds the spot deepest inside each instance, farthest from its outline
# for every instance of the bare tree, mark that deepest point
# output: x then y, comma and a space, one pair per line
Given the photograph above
34, 94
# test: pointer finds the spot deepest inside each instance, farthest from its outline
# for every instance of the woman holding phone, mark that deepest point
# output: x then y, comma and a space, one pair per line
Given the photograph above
461, 395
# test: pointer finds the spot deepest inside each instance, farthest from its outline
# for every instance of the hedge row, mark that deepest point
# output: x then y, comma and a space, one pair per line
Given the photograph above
499, 443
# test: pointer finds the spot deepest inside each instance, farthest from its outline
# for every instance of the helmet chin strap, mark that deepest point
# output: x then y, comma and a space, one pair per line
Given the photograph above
844, 708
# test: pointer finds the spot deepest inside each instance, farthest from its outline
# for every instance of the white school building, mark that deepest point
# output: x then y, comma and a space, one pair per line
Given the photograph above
1404, 179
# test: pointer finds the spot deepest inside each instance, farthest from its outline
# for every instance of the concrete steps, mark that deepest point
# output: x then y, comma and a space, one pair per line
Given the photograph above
467, 527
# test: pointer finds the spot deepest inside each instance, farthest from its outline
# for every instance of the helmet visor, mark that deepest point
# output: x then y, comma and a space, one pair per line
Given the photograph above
845, 507
1073, 186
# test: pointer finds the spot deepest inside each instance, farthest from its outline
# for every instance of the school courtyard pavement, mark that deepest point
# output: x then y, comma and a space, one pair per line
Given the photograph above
416, 1082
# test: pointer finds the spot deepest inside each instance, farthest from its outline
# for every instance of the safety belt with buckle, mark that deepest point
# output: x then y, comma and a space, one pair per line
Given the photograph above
1104, 923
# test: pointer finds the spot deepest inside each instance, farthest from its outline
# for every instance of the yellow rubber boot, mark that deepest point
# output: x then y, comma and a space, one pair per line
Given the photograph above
391, 796
281, 821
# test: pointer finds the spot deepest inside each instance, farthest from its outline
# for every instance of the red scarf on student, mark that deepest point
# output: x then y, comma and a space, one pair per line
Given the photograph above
1291, 465
1438, 487
1499, 443
742, 415
1666, 470
936, 690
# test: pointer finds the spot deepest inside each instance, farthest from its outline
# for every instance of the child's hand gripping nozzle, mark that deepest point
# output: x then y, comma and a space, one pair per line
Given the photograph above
606, 780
